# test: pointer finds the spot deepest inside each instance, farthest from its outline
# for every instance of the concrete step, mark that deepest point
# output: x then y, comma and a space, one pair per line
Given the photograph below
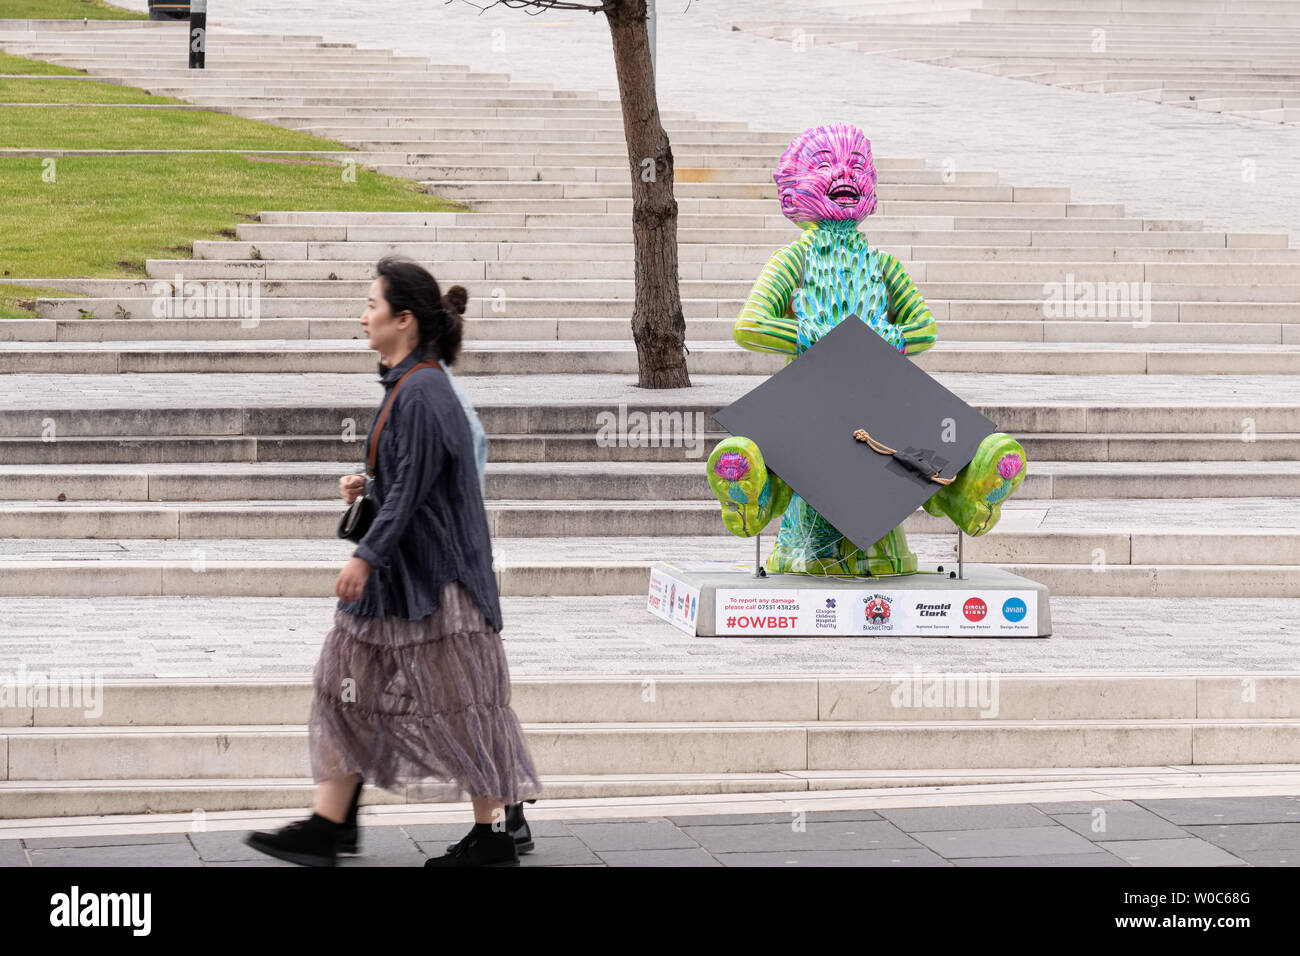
695, 246
534, 262
955, 301
660, 482
997, 328
77, 451
698, 214
236, 61
345, 98
721, 152
490, 357
169, 414
1104, 563
911, 257
554, 124
689, 158
446, 133
709, 213
577, 111
72, 798
1069, 252
1059, 696
238, 751
216, 75
1069, 277
557, 504
707, 216
321, 401
419, 87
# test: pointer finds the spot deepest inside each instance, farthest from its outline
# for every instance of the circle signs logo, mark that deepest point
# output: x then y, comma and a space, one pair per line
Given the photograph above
975, 609
1014, 609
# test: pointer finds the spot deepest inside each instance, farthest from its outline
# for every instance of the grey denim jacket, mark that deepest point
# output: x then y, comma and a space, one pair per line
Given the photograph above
430, 524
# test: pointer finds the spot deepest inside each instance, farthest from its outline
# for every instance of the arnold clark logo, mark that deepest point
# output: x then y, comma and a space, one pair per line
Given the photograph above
933, 610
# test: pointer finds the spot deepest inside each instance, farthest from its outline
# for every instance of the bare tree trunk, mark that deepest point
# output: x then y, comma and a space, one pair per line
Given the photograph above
658, 325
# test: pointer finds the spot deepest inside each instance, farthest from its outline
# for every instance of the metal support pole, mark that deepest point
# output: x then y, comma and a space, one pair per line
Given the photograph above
198, 37
759, 571
960, 537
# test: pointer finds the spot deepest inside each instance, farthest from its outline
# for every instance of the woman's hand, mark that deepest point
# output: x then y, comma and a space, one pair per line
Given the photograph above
352, 579
350, 486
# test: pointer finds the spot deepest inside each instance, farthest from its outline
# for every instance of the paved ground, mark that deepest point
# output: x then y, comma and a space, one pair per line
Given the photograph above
232, 638
1194, 832
1160, 161
50, 392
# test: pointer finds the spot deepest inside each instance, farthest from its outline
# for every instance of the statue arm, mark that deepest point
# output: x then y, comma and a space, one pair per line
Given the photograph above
765, 323
907, 309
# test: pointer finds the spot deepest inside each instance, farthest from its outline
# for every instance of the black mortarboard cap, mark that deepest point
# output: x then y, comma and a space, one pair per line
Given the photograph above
804, 417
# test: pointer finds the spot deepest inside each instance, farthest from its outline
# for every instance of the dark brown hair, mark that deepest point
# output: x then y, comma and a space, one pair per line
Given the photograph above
409, 287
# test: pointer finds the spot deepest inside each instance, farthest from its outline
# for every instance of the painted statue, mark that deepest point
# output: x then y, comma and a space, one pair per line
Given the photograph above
826, 182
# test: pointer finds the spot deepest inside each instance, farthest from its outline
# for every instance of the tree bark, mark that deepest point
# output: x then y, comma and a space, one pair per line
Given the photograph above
658, 325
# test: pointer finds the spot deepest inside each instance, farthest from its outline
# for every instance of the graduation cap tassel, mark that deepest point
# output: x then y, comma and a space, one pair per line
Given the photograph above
861, 435
911, 461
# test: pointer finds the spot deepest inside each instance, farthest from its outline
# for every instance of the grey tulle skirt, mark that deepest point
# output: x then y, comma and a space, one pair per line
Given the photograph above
402, 701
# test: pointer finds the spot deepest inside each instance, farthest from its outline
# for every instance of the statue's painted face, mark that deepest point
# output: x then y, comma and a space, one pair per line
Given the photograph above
827, 173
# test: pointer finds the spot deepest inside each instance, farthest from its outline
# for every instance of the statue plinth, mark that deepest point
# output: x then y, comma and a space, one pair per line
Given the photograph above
725, 599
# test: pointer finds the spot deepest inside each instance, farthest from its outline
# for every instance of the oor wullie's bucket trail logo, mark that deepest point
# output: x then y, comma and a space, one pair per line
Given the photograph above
877, 609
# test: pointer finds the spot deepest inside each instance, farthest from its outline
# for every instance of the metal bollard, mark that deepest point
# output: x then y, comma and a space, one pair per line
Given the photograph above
198, 32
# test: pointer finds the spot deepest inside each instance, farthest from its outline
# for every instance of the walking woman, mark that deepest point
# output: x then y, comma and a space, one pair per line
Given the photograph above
412, 682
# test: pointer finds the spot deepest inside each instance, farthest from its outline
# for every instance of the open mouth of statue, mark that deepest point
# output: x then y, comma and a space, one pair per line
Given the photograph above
844, 195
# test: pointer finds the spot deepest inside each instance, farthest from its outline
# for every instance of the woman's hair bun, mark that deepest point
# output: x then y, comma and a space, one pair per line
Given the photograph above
456, 298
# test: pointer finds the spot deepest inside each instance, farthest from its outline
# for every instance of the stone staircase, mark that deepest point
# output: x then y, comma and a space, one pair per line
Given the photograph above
198, 456
178, 746
1224, 56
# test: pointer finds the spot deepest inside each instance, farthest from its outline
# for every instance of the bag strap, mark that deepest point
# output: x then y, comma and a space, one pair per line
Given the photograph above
383, 417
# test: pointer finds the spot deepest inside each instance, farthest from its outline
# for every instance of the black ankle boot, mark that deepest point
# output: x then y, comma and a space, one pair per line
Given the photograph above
349, 836
516, 826
310, 842
482, 846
